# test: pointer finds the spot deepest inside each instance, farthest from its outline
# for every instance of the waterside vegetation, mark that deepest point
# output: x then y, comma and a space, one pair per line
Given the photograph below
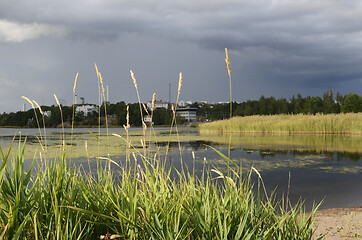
349, 123
137, 198
55, 200
116, 112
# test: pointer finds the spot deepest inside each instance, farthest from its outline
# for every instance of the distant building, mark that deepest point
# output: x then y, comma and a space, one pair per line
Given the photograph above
86, 108
188, 113
184, 104
157, 104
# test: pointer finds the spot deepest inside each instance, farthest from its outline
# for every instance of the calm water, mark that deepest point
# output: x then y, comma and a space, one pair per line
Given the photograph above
327, 168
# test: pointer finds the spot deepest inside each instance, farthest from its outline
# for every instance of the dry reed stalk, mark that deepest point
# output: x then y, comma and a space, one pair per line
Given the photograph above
27, 99
262, 182
286, 203
152, 107
100, 78
128, 146
134, 80
193, 162
127, 117
56, 99
227, 60
179, 85
153, 102
75, 82
61, 115
36, 117
140, 104
42, 114
73, 114
145, 108
174, 117
99, 106
151, 124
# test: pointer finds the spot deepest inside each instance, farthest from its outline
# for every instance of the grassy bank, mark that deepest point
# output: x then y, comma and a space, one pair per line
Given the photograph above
137, 198
55, 200
349, 123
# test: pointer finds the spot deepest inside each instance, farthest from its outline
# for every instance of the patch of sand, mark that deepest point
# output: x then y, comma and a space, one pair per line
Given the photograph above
339, 223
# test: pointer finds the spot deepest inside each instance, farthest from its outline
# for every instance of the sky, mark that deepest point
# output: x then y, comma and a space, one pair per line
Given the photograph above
276, 47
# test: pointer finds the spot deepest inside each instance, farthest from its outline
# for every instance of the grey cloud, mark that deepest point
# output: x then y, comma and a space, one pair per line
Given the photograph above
15, 32
301, 45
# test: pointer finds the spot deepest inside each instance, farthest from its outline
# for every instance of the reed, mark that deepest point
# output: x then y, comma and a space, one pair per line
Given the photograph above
53, 200
73, 109
348, 123
138, 199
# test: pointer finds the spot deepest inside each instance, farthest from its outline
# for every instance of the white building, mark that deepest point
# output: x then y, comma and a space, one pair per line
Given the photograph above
188, 113
184, 104
158, 104
86, 109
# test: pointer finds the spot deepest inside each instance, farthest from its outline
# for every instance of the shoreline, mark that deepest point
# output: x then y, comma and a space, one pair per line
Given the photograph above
338, 223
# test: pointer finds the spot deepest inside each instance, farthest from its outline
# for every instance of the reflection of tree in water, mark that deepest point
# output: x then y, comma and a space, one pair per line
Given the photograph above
190, 145
330, 155
354, 157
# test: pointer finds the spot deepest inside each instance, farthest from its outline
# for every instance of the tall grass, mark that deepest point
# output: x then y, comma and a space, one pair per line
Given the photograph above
348, 123
53, 200
139, 199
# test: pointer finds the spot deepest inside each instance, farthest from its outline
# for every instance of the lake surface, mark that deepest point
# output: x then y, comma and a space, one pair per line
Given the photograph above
322, 167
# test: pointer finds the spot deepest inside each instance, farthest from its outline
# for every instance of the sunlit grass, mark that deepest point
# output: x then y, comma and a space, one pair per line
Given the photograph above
138, 198
57, 200
349, 123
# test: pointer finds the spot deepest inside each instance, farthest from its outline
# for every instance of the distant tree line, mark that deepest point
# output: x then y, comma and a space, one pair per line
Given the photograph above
162, 116
271, 106
116, 112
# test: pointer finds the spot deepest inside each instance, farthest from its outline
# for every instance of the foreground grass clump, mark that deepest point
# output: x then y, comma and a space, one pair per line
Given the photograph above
139, 198
349, 123
57, 201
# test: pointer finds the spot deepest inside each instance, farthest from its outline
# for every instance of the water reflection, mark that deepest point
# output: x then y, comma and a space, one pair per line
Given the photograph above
263, 152
325, 167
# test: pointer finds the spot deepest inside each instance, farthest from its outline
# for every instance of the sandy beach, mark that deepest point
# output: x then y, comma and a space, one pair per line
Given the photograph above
339, 223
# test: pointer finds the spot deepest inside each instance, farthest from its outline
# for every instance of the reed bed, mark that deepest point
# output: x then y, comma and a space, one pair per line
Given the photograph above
55, 200
348, 123
138, 198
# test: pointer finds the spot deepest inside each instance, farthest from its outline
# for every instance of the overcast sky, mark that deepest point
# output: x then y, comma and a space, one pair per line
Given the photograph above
276, 47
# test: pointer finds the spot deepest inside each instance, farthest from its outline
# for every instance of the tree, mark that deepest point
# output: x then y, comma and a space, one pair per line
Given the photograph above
352, 103
313, 105
121, 113
297, 104
162, 116
329, 106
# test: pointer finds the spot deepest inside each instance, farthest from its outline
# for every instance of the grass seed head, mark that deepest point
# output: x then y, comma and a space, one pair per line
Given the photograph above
127, 117
100, 78
38, 107
95, 65
179, 83
75, 82
56, 99
227, 62
153, 102
134, 79
27, 99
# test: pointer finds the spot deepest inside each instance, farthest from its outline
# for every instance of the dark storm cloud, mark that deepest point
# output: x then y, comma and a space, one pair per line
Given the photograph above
276, 46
